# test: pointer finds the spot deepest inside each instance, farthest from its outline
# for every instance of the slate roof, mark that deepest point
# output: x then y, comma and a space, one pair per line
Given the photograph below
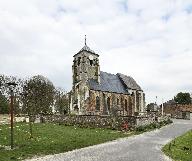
108, 83
129, 82
113, 83
86, 48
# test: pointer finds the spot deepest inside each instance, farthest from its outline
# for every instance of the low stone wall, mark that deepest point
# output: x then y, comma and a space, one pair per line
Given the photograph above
163, 118
146, 120
92, 121
119, 123
141, 121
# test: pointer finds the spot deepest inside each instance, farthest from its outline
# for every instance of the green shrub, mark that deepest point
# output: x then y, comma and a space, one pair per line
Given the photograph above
169, 121
140, 128
153, 125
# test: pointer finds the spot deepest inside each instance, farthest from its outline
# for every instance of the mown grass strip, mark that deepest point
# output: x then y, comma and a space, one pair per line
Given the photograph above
180, 149
50, 138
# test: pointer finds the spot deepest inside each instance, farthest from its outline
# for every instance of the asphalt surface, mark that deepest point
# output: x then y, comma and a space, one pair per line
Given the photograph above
144, 147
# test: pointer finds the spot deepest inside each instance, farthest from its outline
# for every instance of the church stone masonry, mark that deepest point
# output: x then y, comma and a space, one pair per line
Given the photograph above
99, 93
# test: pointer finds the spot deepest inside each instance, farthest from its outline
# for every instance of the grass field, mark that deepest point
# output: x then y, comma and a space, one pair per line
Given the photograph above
50, 138
180, 149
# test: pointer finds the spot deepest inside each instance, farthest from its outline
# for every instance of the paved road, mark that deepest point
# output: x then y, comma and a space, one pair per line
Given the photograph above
144, 147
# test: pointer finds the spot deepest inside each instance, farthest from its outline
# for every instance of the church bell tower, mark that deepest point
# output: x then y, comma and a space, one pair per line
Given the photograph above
85, 67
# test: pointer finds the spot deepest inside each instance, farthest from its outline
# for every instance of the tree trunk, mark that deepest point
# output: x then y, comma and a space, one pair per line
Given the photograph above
30, 126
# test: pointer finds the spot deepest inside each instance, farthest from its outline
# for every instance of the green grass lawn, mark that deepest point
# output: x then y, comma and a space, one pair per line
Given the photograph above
50, 138
180, 149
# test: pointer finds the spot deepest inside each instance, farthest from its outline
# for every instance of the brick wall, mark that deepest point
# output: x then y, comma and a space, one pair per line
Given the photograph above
176, 110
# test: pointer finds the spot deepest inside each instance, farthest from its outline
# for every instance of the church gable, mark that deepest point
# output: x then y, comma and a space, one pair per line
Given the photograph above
129, 82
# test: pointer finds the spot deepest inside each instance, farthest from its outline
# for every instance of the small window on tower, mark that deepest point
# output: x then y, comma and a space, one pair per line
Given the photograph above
79, 60
91, 62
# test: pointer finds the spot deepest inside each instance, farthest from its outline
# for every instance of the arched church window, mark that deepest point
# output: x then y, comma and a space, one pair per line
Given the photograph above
125, 105
117, 101
122, 103
108, 103
97, 103
130, 107
76, 108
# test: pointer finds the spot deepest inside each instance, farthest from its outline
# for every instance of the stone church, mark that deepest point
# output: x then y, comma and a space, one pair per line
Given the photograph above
100, 93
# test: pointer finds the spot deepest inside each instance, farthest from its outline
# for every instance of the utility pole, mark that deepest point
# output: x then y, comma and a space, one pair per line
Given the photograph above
11, 104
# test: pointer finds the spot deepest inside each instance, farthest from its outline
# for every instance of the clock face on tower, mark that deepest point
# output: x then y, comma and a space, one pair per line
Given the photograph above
90, 57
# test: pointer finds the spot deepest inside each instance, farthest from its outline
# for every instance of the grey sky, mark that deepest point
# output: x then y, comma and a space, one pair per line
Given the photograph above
148, 40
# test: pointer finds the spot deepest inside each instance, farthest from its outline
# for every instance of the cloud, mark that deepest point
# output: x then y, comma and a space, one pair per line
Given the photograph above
149, 40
